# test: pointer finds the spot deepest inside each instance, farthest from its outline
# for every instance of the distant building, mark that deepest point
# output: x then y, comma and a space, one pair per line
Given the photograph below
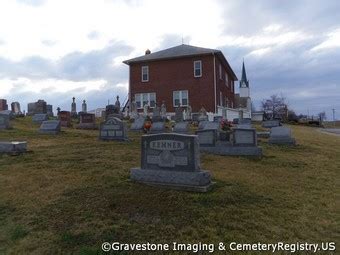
181, 76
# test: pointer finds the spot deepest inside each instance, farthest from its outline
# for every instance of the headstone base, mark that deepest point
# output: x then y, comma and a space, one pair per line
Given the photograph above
86, 126
225, 149
13, 147
282, 141
48, 132
263, 134
199, 181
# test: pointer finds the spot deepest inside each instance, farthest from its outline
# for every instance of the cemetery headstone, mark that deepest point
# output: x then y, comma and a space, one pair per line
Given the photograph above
178, 114
189, 113
87, 121
182, 127
203, 116
13, 147
39, 118
245, 121
163, 110
244, 143
146, 110
15, 107
218, 119
173, 161
207, 137
4, 121
65, 118
49, 110
281, 135
156, 114
51, 127
133, 109
270, 123
158, 127
113, 129
74, 108
244, 137
84, 107
138, 124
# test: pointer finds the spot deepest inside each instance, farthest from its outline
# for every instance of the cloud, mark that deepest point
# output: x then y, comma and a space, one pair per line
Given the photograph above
48, 43
32, 2
93, 35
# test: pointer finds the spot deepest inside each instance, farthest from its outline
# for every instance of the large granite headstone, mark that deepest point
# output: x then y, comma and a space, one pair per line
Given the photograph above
158, 127
182, 127
171, 160
65, 118
281, 135
138, 124
207, 137
51, 127
244, 137
39, 118
244, 144
49, 110
4, 121
113, 129
13, 147
270, 123
87, 121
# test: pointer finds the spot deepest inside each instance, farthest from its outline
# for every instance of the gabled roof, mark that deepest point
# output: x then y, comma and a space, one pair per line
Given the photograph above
178, 52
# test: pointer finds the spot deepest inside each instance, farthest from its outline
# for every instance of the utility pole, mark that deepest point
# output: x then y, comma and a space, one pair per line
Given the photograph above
333, 110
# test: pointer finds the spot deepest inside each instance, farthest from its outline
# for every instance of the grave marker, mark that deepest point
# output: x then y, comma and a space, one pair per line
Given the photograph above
51, 127
113, 129
171, 160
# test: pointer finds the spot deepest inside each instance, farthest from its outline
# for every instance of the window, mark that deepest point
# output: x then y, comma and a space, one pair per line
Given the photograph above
221, 99
220, 71
145, 98
226, 79
180, 98
145, 73
226, 101
198, 68
232, 86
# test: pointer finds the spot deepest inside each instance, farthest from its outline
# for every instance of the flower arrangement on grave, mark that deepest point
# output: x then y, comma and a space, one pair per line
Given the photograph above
226, 125
147, 124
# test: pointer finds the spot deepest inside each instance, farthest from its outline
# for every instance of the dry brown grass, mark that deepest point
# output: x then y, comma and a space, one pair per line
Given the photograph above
72, 192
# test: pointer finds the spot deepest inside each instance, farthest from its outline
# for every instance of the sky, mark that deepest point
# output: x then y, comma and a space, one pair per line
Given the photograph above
57, 49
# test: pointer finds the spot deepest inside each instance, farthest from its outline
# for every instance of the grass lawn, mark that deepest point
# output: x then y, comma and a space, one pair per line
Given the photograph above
71, 193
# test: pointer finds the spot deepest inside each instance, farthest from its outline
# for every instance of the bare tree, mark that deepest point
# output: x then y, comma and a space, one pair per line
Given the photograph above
275, 107
322, 116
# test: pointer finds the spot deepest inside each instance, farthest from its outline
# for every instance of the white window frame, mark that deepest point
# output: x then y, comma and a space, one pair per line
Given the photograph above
200, 63
139, 98
147, 73
226, 79
180, 98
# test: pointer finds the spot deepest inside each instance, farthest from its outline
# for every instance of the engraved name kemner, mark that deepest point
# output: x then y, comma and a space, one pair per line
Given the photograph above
167, 145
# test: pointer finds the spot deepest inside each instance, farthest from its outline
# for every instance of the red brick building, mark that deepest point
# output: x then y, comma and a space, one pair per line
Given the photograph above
181, 76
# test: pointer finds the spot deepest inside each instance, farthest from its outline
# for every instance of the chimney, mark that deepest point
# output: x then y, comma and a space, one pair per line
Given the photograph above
147, 52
